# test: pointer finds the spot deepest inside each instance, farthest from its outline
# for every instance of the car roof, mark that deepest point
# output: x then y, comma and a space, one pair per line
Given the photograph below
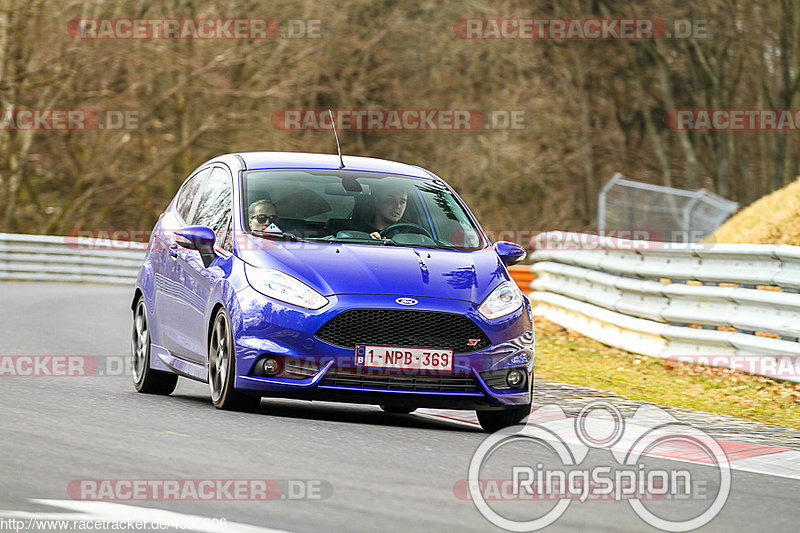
269, 160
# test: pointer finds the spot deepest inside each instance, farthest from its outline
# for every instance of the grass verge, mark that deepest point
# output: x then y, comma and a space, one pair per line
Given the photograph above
563, 355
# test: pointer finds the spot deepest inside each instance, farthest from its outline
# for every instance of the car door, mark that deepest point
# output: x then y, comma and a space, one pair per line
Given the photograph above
169, 289
213, 209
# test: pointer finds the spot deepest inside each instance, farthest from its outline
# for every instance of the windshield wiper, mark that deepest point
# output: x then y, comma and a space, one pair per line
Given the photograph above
277, 235
381, 242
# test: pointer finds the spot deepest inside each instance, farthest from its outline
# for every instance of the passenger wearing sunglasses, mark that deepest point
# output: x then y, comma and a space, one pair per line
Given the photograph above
262, 215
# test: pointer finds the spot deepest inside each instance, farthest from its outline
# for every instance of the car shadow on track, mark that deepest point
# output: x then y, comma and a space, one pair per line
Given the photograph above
338, 412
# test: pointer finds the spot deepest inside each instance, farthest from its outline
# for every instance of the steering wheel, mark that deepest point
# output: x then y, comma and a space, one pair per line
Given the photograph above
390, 231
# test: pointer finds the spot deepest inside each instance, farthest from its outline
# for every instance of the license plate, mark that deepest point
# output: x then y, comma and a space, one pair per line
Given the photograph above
403, 358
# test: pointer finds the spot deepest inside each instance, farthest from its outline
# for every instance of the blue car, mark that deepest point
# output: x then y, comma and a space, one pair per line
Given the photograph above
308, 276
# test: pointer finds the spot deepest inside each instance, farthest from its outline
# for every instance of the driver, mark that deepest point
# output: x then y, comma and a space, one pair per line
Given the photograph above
262, 214
390, 205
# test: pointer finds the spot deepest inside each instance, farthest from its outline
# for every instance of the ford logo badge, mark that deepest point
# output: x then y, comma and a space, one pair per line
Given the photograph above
406, 301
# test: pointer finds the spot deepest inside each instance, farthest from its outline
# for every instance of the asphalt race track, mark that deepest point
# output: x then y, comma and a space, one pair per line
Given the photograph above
365, 470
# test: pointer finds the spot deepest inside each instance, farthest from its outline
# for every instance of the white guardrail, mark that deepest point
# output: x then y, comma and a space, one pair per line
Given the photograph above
693, 301
731, 305
50, 258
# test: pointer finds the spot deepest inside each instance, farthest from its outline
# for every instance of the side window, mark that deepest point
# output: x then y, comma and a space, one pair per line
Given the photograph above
189, 192
225, 239
216, 202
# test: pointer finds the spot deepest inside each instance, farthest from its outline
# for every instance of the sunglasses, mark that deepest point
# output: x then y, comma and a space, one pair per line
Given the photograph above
262, 219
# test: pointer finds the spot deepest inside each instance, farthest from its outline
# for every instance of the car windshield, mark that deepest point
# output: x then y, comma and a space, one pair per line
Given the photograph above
358, 207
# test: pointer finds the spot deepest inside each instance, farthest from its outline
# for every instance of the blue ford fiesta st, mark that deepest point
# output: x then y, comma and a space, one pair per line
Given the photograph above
313, 277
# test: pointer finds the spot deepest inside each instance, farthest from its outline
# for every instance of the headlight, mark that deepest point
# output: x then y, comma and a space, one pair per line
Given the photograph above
283, 287
505, 299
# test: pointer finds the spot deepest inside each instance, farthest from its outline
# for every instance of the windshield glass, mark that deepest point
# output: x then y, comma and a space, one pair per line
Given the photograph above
356, 207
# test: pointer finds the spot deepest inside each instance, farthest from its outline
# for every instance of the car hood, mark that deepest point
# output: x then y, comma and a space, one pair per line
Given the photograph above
333, 268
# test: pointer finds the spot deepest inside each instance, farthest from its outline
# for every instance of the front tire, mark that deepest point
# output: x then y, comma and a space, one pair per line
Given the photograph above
492, 421
222, 369
145, 379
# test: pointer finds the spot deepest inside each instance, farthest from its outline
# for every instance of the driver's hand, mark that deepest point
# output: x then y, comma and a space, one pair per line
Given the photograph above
375, 235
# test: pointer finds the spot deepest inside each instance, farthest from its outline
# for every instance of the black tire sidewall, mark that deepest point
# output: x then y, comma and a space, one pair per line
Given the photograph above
146, 365
230, 399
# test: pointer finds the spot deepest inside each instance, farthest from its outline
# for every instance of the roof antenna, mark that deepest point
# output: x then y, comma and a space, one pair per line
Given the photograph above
339, 148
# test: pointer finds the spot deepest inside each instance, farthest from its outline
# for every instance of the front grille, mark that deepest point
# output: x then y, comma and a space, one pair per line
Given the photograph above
496, 379
403, 382
395, 327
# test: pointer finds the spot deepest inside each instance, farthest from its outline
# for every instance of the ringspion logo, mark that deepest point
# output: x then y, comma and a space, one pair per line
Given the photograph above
540, 469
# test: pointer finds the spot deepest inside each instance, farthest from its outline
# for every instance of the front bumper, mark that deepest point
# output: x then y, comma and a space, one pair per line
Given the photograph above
285, 332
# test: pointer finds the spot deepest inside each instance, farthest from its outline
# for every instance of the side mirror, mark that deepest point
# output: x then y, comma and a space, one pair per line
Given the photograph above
510, 253
200, 238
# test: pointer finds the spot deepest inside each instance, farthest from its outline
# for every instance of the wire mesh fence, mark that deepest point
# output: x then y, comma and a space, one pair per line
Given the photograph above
674, 215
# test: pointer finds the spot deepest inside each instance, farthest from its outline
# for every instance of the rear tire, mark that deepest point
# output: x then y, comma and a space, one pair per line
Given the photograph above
145, 379
396, 410
492, 421
222, 369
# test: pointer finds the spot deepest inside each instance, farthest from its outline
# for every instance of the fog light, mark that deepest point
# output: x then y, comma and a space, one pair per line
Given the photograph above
515, 379
271, 366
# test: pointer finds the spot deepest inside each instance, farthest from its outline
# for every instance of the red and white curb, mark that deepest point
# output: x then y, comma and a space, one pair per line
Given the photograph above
742, 456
